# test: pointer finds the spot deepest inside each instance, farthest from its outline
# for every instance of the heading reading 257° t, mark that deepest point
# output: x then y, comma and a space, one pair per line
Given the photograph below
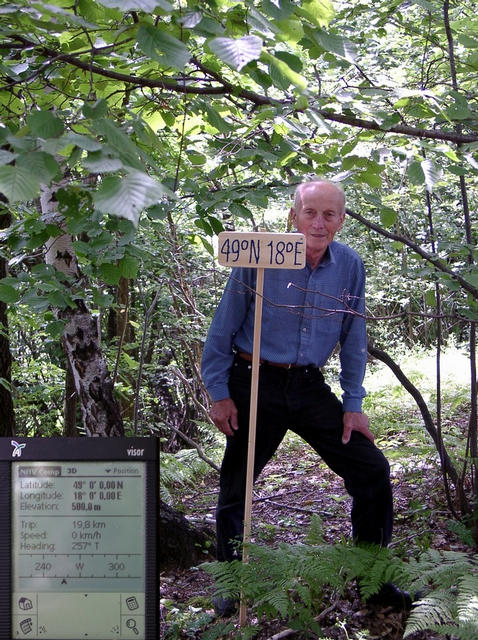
261, 250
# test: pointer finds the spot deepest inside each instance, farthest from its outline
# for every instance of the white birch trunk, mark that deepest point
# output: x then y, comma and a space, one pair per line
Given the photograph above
81, 341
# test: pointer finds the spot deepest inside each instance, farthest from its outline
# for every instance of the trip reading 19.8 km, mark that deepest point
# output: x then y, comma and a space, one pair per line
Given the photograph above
79, 550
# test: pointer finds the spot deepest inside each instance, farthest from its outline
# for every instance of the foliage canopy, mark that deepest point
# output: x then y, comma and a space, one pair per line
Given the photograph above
159, 123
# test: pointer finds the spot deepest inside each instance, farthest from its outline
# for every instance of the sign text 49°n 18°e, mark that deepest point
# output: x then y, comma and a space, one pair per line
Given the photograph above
261, 250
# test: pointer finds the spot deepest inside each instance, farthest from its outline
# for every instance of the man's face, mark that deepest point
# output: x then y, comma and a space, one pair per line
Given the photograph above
319, 216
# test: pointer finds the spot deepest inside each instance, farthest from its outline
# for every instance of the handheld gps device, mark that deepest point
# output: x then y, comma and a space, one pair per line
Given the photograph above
78, 536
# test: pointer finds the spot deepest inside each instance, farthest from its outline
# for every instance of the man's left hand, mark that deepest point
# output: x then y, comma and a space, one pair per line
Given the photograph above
355, 421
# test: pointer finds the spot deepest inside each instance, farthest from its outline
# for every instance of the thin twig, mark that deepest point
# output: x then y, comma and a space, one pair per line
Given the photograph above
292, 508
286, 633
187, 384
190, 441
147, 315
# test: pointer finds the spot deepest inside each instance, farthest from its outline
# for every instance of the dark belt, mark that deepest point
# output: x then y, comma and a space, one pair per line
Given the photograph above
281, 365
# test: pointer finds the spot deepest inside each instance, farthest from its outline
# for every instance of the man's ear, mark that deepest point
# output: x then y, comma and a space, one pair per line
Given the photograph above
291, 220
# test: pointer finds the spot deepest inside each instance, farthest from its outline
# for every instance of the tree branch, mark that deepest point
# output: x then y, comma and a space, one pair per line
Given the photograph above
422, 405
438, 263
256, 98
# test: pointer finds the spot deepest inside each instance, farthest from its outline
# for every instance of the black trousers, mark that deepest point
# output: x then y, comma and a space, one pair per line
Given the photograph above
298, 399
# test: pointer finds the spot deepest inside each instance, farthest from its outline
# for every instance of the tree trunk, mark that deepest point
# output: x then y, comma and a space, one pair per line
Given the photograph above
100, 411
182, 544
70, 405
123, 332
7, 416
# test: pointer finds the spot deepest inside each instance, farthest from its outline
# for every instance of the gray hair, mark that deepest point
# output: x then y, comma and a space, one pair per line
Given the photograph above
303, 185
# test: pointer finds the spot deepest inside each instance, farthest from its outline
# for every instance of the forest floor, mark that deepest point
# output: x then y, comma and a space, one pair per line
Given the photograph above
295, 485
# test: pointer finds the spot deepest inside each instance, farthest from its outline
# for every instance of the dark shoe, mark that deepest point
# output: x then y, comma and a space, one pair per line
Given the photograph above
224, 607
390, 595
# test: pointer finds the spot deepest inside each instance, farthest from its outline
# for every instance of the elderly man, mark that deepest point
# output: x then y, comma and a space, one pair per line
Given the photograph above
306, 313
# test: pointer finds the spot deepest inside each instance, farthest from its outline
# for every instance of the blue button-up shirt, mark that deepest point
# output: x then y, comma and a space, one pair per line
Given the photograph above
305, 314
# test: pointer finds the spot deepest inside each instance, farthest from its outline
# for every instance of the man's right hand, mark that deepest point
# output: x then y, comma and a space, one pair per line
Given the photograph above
224, 415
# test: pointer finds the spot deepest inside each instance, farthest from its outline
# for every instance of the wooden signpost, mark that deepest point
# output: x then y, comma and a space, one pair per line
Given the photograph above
258, 250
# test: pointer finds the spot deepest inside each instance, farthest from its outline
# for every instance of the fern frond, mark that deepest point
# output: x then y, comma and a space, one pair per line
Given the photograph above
467, 600
227, 577
278, 600
432, 612
291, 581
440, 568
466, 631
315, 533
322, 565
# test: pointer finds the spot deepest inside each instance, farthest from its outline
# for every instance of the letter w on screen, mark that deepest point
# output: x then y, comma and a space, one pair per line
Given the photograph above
261, 250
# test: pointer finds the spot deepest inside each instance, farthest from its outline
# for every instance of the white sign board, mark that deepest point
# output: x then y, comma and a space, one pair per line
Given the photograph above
261, 250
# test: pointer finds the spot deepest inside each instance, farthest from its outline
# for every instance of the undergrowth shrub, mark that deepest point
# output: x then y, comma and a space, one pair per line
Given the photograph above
178, 470
290, 582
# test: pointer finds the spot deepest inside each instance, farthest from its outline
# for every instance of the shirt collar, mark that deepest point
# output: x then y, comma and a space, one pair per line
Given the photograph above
329, 257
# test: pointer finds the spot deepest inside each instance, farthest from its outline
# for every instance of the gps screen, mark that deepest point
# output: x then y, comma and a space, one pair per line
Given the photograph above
78, 550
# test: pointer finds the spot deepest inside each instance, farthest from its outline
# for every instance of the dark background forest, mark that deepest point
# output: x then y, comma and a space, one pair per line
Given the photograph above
133, 131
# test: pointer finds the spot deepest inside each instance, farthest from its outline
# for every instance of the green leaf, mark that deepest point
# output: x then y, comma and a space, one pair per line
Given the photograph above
162, 46
101, 162
290, 31
110, 273
286, 75
237, 53
18, 184
196, 158
55, 329
137, 5
207, 245
127, 197
370, 178
415, 173
128, 267
129, 361
59, 299
292, 61
102, 299
388, 216
35, 302
96, 109
459, 110
240, 210
339, 45
83, 142
158, 211
216, 120
40, 164
430, 298
278, 10
466, 41
432, 174
44, 124
8, 294
127, 150
319, 12
190, 19
7, 156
